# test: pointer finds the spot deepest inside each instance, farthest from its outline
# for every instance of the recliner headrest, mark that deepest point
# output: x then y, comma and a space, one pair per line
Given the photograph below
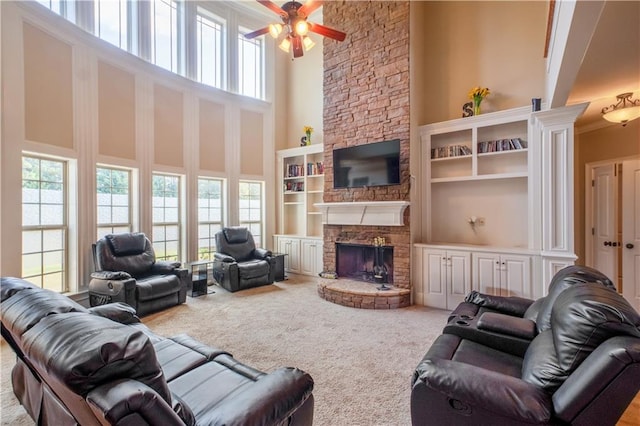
127, 244
236, 234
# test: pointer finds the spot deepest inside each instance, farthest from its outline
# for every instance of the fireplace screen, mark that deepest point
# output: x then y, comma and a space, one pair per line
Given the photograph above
363, 262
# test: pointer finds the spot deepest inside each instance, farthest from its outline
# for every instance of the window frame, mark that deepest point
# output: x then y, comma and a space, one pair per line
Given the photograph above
222, 58
113, 225
124, 40
63, 227
260, 86
249, 223
166, 224
211, 248
174, 38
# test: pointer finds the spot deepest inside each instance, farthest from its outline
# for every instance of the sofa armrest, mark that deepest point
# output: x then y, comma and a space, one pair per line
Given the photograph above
118, 312
111, 275
164, 267
261, 253
509, 305
270, 400
126, 400
465, 385
223, 257
507, 324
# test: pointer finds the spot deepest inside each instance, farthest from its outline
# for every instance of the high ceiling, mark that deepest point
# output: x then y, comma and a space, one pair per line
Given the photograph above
611, 64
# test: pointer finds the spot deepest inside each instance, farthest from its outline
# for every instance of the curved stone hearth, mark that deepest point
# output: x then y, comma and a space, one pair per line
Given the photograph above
357, 294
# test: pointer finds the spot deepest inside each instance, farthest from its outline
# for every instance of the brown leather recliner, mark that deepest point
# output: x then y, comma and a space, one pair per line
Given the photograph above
127, 271
238, 264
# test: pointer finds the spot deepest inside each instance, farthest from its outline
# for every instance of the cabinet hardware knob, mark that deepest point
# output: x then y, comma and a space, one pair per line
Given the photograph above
629, 246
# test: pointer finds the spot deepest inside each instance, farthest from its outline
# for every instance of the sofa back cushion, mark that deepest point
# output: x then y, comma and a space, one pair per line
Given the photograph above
583, 317
562, 280
236, 242
25, 308
129, 252
83, 351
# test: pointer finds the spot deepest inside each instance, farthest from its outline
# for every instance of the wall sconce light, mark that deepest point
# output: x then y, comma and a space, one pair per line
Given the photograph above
623, 111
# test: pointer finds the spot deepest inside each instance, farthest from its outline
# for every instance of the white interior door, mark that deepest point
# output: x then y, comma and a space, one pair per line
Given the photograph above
631, 231
605, 240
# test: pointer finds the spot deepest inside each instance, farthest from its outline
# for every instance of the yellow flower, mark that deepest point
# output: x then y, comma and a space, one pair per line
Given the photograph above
307, 129
479, 93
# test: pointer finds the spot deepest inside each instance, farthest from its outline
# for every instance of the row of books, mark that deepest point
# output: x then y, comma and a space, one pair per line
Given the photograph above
296, 170
293, 186
450, 151
501, 145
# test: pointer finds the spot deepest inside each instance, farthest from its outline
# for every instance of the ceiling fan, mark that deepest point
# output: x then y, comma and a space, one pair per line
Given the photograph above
295, 26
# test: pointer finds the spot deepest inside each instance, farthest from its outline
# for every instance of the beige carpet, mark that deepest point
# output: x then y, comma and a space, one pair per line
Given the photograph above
361, 360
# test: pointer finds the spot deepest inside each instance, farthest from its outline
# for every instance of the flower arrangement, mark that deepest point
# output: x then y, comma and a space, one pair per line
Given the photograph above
477, 94
308, 130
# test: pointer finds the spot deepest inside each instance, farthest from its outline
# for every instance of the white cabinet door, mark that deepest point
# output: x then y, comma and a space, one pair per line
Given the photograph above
290, 247
311, 257
458, 270
445, 277
515, 277
502, 274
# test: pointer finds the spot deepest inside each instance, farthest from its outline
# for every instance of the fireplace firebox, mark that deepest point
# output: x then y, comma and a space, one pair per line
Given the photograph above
362, 262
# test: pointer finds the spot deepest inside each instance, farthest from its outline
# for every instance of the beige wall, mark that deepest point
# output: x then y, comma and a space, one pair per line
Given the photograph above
460, 45
612, 142
212, 135
116, 112
251, 142
168, 122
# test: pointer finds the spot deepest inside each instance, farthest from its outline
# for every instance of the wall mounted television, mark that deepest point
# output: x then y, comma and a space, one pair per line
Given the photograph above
373, 164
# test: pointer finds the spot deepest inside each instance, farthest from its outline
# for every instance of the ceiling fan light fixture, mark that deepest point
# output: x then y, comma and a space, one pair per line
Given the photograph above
275, 30
623, 111
302, 27
285, 44
307, 43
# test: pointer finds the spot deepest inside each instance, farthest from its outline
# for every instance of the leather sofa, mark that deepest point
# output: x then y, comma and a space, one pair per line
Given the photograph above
583, 370
101, 366
238, 264
510, 323
127, 271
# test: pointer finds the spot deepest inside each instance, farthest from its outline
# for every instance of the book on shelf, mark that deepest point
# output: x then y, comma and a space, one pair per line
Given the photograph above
295, 170
450, 151
294, 186
315, 168
501, 145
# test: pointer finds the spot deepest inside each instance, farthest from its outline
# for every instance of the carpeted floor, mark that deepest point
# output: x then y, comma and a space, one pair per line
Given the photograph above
361, 360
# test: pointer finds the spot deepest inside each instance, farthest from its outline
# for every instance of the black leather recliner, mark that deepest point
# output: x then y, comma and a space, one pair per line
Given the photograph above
238, 264
583, 370
127, 271
510, 323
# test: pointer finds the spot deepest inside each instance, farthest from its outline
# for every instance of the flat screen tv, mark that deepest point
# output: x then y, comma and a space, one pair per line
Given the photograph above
373, 164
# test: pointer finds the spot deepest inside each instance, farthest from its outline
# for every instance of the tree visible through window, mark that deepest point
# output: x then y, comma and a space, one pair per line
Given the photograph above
44, 222
250, 208
210, 214
113, 201
166, 217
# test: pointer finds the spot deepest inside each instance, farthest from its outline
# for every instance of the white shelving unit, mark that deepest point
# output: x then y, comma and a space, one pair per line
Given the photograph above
513, 171
301, 171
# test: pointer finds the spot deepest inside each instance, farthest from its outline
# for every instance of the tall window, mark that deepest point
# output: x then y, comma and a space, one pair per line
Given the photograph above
210, 42
251, 208
66, 8
114, 201
250, 65
166, 217
164, 34
111, 21
44, 222
210, 214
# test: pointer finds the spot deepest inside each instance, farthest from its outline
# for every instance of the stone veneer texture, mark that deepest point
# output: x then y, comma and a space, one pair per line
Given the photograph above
366, 100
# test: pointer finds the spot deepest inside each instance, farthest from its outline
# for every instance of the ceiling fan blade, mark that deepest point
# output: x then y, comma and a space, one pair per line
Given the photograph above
297, 47
273, 7
327, 32
256, 33
309, 7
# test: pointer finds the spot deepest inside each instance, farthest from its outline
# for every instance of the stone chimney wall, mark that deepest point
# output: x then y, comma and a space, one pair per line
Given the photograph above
366, 100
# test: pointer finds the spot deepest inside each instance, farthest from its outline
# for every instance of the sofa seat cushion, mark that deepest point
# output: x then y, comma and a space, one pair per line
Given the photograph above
253, 269
84, 351
176, 359
154, 287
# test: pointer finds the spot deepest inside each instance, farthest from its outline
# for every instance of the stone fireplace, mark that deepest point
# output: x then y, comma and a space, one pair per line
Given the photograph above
366, 99
367, 263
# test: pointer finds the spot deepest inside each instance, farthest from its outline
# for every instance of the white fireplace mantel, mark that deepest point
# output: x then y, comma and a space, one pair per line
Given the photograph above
377, 213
